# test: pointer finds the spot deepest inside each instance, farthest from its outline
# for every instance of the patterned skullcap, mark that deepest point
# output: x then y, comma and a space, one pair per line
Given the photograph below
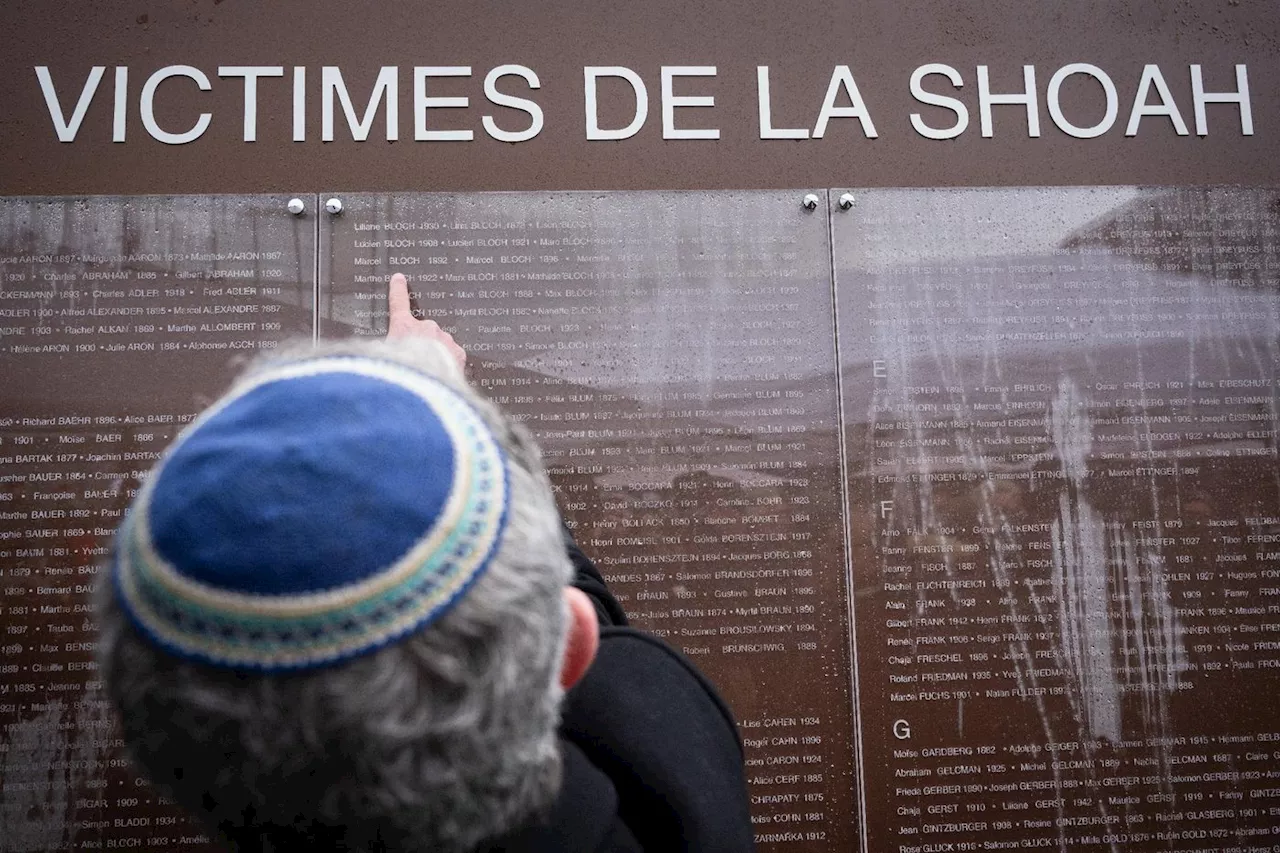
318, 512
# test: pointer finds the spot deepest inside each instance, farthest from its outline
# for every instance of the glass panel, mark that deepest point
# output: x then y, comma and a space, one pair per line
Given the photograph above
674, 354
120, 318
1060, 421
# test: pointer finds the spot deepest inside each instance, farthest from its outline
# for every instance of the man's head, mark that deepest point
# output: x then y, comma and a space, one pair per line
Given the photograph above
337, 609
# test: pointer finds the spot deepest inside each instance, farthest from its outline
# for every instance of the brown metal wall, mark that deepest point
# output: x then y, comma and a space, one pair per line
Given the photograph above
882, 41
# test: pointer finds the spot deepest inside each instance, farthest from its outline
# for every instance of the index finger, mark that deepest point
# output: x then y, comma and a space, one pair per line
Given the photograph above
398, 297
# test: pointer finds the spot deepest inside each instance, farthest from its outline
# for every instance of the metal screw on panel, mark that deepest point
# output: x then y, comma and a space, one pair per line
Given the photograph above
334, 206
296, 207
846, 201
810, 202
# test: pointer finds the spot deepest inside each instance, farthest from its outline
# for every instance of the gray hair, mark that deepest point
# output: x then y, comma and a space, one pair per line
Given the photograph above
436, 743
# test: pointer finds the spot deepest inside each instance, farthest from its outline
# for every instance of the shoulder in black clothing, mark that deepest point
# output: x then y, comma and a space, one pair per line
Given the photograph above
656, 727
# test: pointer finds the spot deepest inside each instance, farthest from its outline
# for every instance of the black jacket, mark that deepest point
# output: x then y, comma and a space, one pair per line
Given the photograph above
652, 757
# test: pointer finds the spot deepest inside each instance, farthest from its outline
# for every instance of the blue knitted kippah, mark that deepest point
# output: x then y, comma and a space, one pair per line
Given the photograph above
320, 511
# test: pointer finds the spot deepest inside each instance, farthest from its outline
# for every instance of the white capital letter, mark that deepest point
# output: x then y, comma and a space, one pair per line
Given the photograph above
421, 103
954, 104
1200, 97
1026, 96
299, 103
491, 92
670, 102
842, 78
148, 104
250, 73
767, 130
67, 130
1055, 109
1151, 76
590, 74
331, 83
120, 113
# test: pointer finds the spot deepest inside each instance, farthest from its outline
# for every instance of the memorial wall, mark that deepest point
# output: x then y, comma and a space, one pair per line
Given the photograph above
912, 368
999, 568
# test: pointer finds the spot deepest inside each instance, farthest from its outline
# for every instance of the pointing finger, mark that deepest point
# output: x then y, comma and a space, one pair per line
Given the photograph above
398, 297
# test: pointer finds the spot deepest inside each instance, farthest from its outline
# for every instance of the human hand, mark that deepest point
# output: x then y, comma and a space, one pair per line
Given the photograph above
402, 324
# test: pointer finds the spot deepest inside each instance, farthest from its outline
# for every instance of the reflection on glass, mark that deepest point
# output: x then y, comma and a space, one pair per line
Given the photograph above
1060, 416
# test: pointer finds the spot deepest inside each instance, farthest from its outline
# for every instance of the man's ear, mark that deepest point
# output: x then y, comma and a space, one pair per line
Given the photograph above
583, 637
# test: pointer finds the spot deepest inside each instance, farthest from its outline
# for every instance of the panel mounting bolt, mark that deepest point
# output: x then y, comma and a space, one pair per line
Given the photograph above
334, 206
810, 201
296, 207
846, 201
